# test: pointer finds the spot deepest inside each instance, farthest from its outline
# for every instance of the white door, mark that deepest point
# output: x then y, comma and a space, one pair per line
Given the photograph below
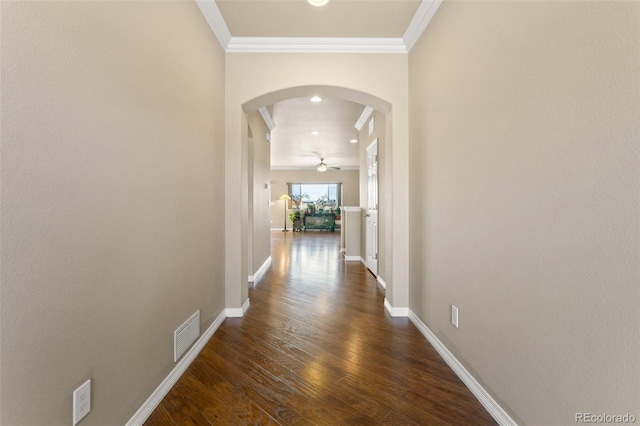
371, 215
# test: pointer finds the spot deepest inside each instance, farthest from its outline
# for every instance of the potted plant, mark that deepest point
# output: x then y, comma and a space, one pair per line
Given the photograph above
296, 218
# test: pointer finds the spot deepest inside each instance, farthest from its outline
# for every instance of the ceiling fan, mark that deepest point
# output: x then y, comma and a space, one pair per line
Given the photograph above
322, 167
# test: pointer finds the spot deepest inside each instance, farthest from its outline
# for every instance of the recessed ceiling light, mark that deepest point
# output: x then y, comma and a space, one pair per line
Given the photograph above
354, 141
316, 99
315, 132
317, 3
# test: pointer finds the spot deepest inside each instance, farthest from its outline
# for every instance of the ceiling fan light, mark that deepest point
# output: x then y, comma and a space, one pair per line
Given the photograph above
322, 167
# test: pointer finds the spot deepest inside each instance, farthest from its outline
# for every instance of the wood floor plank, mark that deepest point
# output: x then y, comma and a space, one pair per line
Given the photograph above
316, 347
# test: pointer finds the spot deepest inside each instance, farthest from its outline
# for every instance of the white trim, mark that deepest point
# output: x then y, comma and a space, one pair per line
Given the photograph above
343, 250
261, 270
161, 391
490, 404
315, 45
352, 258
395, 312
351, 208
382, 283
342, 168
418, 24
366, 113
214, 18
238, 312
268, 120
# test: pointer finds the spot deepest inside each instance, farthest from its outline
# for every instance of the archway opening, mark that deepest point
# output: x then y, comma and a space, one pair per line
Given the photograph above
375, 107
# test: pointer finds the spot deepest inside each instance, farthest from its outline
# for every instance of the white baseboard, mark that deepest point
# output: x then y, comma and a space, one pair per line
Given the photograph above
352, 258
261, 270
490, 404
364, 262
163, 389
395, 312
342, 249
382, 283
237, 312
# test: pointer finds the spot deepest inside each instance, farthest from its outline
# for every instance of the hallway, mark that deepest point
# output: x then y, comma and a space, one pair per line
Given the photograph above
317, 347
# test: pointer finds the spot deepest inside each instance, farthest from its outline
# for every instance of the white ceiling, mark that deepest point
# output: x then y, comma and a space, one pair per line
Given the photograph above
382, 26
293, 146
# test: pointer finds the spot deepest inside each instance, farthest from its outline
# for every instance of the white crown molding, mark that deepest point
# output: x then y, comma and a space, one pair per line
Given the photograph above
163, 389
214, 18
266, 116
419, 23
421, 19
315, 45
481, 394
305, 168
366, 113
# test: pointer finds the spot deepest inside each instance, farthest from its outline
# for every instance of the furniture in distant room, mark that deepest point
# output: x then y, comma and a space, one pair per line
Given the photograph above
323, 222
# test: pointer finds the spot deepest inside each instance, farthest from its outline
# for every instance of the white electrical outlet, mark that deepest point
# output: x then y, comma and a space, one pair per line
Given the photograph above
454, 316
81, 402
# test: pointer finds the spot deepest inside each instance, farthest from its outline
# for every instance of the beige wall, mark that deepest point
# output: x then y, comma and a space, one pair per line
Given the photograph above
112, 160
384, 76
525, 200
280, 179
260, 222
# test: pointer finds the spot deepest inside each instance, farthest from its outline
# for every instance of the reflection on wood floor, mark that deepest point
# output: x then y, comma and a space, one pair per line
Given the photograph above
316, 347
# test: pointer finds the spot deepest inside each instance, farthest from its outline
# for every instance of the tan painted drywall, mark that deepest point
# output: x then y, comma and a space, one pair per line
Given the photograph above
249, 76
280, 179
525, 200
261, 175
112, 171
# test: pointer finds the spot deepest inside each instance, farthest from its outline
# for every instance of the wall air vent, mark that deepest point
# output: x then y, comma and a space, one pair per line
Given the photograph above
185, 335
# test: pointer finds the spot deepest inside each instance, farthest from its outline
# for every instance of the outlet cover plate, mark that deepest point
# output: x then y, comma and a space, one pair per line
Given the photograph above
454, 316
81, 402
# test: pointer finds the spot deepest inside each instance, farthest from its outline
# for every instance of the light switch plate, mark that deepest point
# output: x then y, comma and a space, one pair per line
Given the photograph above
454, 316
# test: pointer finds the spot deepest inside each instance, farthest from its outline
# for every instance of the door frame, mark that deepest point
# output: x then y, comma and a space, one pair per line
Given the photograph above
371, 211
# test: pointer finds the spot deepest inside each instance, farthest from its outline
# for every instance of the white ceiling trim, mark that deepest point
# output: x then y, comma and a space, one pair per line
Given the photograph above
266, 116
214, 18
342, 168
363, 117
418, 24
315, 45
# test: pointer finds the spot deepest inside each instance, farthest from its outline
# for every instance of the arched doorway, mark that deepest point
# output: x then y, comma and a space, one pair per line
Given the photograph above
294, 155
372, 82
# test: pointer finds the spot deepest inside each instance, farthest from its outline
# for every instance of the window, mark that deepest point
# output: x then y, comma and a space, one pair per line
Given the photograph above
322, 195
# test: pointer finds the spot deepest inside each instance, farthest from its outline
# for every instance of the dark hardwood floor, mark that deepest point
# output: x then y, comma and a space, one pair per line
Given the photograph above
316, 347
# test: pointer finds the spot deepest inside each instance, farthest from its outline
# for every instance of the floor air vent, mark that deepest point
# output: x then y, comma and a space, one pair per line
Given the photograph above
185, 335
